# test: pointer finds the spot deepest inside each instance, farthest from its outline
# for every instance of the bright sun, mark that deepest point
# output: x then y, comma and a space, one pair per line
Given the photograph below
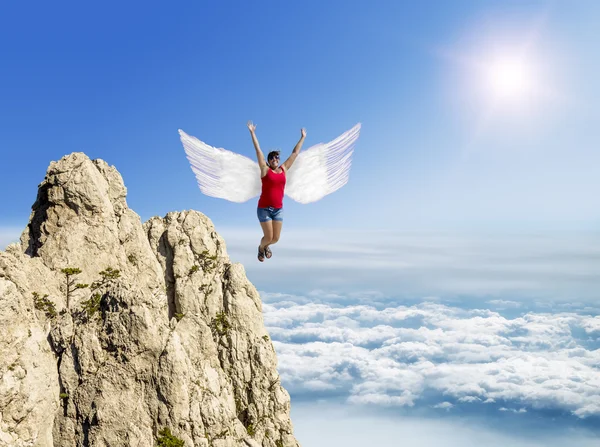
502, 73
509, 80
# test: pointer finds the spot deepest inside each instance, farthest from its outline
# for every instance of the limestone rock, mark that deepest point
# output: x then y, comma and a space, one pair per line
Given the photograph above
162, 330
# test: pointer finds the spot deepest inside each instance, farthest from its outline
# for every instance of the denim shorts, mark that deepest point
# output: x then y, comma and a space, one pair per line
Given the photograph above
270, 213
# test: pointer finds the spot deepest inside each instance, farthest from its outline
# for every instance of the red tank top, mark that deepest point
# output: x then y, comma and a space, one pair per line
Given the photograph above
273, 185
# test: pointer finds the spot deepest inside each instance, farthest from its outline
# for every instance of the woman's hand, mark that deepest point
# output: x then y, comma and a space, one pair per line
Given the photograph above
251, 127
303, 132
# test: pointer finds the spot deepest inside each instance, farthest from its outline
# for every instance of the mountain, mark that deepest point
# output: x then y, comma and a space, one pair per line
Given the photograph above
122, 333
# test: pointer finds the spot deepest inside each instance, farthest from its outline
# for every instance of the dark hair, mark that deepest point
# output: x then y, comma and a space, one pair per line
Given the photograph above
272, 154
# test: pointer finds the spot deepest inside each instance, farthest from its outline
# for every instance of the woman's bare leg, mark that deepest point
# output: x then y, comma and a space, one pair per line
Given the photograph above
267, 228
276, 232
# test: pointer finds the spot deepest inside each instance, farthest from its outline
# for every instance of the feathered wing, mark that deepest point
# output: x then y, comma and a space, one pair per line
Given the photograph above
222, 173
322, 169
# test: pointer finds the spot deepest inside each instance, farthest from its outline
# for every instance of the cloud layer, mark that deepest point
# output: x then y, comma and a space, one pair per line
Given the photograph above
444, 357
516, 267
354, 427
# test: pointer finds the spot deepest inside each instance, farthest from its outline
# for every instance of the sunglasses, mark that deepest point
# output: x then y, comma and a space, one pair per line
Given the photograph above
275, 157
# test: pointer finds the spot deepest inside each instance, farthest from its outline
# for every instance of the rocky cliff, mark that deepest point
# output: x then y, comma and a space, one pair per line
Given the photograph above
118, 333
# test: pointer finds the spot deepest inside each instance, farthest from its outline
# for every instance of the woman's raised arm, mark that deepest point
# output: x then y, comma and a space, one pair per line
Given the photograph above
290, 161
259, 155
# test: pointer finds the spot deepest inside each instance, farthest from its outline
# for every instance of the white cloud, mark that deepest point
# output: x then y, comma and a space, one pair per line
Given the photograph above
520, 410
444, 406
401, 356
592, 325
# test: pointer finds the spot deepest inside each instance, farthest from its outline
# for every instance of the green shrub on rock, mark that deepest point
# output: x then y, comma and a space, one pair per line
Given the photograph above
44, 304
166, 439
92, 305
220, 324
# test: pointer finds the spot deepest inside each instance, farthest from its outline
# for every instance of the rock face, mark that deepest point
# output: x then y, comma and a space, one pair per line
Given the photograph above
168, 333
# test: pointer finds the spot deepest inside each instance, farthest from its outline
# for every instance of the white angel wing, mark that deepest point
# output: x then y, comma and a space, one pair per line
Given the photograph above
322, 169
221, 173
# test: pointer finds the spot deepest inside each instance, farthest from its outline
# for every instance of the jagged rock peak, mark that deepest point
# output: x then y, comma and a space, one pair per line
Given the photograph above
155, 329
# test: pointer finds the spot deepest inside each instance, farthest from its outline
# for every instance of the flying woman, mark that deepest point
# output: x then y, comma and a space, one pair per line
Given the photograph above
316, 172
270, 204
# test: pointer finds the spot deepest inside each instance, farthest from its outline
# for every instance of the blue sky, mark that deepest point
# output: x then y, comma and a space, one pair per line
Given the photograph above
472, 193
116, 81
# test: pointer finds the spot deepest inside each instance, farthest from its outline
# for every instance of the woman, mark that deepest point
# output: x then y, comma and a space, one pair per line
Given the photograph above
270, 204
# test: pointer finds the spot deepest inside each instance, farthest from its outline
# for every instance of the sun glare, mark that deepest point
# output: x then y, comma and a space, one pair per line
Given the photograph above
509, 79
502, 71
